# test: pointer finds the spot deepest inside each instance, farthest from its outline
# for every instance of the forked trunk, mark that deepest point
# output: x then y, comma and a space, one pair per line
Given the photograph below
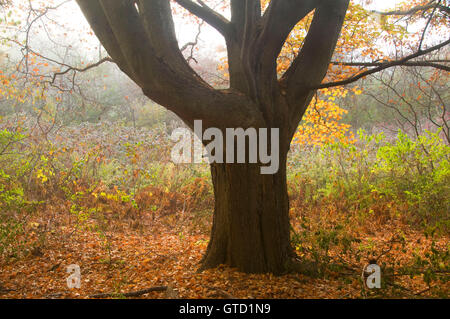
251, 227
251, 220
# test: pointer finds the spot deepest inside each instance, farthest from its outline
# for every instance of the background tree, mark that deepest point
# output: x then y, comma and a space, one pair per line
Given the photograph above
417, 98
251, 219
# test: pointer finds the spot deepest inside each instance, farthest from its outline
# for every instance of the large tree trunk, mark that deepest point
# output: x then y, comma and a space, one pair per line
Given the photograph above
251, 219
251, 229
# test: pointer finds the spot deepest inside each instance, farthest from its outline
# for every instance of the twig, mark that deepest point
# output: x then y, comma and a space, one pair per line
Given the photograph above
131, 294
221, 292
423, 291
384, 66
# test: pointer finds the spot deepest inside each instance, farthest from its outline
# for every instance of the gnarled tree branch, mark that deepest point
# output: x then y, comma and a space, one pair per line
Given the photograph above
311, 65
385, 66
414, 10
431, 64
216, 20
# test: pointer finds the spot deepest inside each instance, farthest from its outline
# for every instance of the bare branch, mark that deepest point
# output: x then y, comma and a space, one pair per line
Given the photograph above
427, 25
385, 66
216, 20
429, 63
81, 70
97, 19
414, 10
193, 44
133, 293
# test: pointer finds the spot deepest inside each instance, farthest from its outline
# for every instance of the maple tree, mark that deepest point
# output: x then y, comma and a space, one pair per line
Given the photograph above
251, 220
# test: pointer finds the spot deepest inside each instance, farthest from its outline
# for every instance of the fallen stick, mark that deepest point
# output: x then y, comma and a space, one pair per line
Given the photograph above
221, 292
131, 294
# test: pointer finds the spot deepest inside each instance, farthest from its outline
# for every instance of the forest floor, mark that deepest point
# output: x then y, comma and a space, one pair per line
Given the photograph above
108, 199
132, 257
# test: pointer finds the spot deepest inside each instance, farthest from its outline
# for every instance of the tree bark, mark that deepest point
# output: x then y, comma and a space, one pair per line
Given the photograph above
251, 229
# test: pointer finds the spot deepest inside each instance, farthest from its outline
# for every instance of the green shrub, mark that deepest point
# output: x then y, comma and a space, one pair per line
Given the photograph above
417, 172
405, 176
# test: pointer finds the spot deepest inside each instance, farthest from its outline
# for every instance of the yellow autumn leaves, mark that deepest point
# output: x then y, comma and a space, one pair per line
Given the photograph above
322, 122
